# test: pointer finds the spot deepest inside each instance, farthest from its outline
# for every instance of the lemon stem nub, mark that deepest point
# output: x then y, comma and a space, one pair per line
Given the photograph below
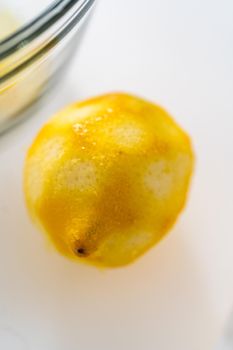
81, 252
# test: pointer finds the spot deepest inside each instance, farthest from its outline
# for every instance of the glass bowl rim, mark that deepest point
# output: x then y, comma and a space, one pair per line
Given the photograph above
39, 25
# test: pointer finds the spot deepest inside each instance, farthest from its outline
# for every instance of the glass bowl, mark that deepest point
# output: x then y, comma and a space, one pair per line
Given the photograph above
35, 56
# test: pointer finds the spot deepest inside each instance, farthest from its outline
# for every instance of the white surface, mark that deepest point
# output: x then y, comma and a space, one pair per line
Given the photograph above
179, 54
226, 342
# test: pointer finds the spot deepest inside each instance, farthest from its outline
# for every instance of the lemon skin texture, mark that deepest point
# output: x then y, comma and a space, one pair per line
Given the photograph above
106, 178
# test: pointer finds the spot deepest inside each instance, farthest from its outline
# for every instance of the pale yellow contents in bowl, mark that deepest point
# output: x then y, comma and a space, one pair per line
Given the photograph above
8, 23
21, 89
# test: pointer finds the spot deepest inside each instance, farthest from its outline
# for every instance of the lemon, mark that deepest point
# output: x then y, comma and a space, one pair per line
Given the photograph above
106, 178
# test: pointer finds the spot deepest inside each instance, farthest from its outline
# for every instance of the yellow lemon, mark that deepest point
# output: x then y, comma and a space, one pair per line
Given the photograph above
106, 178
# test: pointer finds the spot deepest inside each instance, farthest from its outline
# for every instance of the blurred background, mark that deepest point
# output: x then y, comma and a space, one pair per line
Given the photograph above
178, 296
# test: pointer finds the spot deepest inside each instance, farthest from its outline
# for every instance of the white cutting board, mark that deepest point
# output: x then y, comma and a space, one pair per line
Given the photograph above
179, 54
